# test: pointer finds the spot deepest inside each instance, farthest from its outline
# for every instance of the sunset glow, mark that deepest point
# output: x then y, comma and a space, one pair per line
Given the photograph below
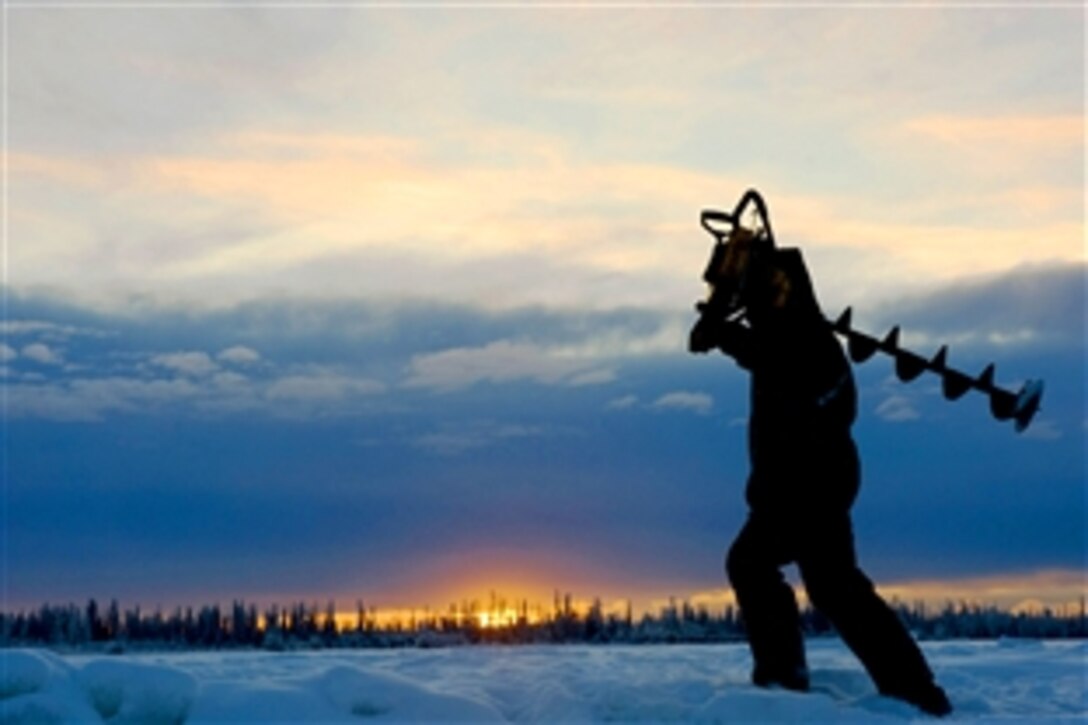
1059, 591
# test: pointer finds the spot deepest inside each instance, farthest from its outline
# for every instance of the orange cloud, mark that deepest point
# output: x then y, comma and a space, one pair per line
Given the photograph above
1062, 132
57, 169
1054, 588
359, 192
1057, 589
493, 194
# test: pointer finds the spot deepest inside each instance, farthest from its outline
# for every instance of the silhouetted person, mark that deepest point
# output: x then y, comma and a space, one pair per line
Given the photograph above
804, 478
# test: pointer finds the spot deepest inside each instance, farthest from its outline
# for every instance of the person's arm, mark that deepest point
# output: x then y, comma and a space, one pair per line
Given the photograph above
731, 337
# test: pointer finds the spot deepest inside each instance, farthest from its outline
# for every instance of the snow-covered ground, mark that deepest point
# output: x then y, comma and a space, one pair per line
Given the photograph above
987, 681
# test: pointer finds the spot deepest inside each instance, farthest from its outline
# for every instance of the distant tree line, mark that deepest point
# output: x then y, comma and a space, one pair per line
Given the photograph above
309, 626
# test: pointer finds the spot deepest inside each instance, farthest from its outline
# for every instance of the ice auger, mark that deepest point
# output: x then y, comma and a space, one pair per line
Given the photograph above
735, 264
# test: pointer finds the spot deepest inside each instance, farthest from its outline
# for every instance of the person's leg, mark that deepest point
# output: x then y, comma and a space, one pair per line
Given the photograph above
768, 606
839, 589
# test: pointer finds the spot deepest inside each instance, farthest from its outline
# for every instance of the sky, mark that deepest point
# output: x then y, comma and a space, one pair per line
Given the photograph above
391, 302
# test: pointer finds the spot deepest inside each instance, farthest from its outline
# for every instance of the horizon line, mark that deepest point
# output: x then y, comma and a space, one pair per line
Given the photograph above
1054, 589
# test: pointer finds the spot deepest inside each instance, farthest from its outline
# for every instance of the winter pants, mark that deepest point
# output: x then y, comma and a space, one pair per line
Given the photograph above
822, 545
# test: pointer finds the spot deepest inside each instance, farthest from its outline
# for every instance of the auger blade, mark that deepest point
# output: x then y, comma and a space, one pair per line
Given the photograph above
890, 343
955, 384
908, 366
842, 325
1002, 404
1027, 404
860, 346
985, 380
938, 364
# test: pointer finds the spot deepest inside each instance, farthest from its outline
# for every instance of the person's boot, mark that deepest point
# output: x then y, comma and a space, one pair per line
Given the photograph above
930, 699
780, 660
788, 678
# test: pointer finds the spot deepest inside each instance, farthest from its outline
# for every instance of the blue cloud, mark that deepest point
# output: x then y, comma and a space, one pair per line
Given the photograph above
309, 459
1036, 305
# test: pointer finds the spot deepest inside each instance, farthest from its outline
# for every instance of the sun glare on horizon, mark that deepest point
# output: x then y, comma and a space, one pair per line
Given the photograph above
1058, 591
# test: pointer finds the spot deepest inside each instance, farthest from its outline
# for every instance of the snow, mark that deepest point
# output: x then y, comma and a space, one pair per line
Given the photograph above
987, 681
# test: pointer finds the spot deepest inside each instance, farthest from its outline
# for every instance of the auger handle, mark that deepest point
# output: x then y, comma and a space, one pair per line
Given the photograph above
711, 217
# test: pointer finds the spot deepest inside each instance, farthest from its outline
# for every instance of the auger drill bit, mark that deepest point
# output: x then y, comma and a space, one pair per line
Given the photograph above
1020, 406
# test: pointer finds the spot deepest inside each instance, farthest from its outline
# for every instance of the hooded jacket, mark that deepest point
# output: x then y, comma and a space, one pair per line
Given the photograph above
803, 401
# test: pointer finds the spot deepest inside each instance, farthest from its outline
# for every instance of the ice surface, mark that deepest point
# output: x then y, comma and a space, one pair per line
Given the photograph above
137, 692
39, 687
987, 682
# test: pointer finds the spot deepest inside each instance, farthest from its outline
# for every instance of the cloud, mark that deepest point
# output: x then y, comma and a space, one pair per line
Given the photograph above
503, 361
665, 335
41, 353
1039, 305
7, 353
91, 399
599, 169
358, 208
678, 400
228, 379
239, 354
45, 329
362, 240
897, 409
1027, 135
700, 403
187, 363
572, 348
634, 243
593, 377
217, 393
625, 402
310, 354
1043, 429
1060, 587
473, 436
321, 387
222, 392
